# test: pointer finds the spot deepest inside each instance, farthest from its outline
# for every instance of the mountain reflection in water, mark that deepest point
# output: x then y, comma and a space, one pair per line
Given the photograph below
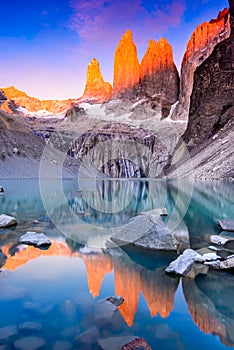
160, 308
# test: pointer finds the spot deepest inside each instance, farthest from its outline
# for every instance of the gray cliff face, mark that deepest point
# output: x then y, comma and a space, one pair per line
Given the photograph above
209, 136
199, 48
119, 150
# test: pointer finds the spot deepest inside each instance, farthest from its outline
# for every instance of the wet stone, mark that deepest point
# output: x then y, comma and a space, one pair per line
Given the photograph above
30, 327
115, 300
35, 239
226, 224
7, 221
7, 332
29, 343
183, 263
62, 345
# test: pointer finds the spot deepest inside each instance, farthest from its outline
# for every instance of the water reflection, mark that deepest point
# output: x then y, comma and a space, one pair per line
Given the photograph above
48, 286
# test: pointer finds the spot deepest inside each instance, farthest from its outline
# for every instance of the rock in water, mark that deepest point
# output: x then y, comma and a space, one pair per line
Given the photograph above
226, 224
29, 343
1, 189
7, 221
35, 239
141, 232
3, 258
115, 300
215, 239
137, 344
183, 263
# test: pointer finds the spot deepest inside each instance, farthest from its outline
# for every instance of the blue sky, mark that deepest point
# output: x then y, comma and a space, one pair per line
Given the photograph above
46, 45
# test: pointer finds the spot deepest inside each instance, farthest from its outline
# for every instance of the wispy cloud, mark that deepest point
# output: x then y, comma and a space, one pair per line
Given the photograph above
106, 20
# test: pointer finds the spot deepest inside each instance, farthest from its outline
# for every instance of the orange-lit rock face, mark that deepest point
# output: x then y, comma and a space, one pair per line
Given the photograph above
96, 88
17, 98
159, 75
126, 65
96, 267
21, 257
128, 286
207, 32
200, 46
158, 290
158, 56
203, 311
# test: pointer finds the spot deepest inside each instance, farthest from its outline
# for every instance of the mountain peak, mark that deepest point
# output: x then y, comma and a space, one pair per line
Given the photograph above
126, 65
96, 89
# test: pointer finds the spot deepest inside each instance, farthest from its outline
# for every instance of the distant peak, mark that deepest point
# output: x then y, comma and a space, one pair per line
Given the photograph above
128, 34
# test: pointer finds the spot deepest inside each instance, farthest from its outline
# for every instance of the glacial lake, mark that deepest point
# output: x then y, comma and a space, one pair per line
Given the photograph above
55, 298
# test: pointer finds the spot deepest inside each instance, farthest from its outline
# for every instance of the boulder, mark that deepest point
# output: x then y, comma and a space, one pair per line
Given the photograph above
1, 189
89, 337
215, 239
2, 258
7, 221
7, 332
141, 232
30, 327
16, 151
207, 257
226, 224
137, 344
29, 343
62, 345
104, 312
182, 265
35, 239
227, 264
115, 300
115, 343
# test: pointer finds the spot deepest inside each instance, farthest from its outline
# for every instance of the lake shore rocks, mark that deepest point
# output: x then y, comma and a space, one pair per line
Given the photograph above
143, 233
226, 224
182, 265
35, 239
7, 221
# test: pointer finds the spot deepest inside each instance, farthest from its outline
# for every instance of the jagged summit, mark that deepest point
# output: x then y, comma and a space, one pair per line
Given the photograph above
96, 89
200, 46
126, 65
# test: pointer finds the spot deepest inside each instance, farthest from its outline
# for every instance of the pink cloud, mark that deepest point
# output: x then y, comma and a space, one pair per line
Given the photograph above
107, 20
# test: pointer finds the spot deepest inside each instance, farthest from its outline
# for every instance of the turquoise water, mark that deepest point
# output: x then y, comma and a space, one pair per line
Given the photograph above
62, 290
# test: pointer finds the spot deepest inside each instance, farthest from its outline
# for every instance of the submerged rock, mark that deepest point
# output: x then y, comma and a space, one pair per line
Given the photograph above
30, 327
182, 265
88, 337
7, 221
29, 343
35, 239
226, 224
7, 332
137, 344
115, 343
104, 312
115, 300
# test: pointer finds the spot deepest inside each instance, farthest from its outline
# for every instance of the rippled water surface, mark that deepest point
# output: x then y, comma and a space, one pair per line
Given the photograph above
61, 291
